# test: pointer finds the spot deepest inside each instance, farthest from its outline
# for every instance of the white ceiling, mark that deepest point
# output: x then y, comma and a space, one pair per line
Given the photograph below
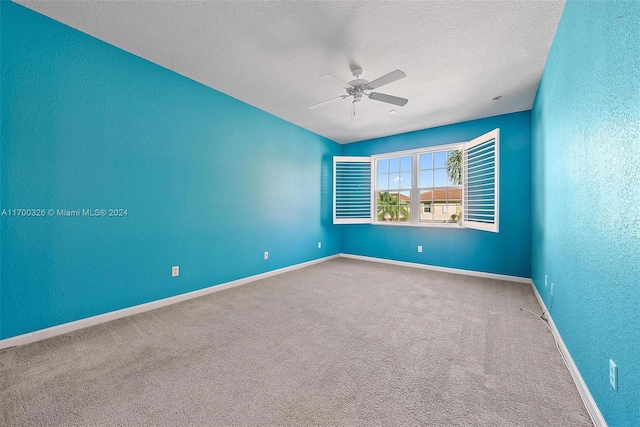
458, 55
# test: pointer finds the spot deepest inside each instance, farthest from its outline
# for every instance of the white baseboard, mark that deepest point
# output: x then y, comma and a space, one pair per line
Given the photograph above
587, 398
129, 311
441, 269
53, 331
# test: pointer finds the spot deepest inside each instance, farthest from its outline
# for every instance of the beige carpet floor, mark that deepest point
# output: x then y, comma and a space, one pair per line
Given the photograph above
340, 343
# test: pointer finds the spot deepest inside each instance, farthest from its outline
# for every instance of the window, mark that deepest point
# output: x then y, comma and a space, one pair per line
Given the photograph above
453, 185
431, 176
393, 189
440, 184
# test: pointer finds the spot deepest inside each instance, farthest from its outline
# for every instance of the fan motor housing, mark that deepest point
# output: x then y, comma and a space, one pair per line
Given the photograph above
358, 82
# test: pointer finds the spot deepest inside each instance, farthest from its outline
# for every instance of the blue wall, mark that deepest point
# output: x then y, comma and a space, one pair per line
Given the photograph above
586, 197
507, 252
209, 182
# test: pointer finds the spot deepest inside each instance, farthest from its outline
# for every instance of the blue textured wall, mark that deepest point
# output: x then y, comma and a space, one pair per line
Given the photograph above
586, 197
508, 252
209, 182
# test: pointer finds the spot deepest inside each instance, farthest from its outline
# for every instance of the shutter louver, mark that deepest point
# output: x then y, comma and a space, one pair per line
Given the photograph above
481, 182
351, 190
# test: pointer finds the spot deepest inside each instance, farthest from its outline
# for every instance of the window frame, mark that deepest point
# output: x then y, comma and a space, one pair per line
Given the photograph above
480, 191
415, 188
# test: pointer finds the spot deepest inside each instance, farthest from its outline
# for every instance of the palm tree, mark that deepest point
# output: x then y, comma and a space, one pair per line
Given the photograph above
386, 204
390, 209
454, 166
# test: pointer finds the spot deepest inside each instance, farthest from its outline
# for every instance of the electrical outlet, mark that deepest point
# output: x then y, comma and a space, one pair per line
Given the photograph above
419, 248
175, 271
266, 255
551, 294
613, 375
319, 245
545, 280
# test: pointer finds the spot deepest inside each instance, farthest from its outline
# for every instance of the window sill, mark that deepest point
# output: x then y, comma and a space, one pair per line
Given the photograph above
418, 225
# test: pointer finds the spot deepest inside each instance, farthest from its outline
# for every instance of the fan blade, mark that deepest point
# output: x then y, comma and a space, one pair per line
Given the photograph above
355, 110
388, 99
328, 101
386, 79
333, 79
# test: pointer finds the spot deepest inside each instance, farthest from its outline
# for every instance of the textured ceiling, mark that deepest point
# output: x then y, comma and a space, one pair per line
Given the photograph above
458, 55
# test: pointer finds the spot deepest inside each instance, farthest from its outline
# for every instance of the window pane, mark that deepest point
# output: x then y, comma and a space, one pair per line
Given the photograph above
405, 179
384, 197
394, 180
382, 212
440, 159
404, 206
454, 201
426, 178
383, 181
426, 210
388, 206
426, 161
454, 167
426, 196
440, 178
454, 195
439, 201
383, 165
394, 164
405, 164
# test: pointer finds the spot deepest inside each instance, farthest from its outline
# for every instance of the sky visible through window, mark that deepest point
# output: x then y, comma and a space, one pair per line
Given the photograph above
395, 173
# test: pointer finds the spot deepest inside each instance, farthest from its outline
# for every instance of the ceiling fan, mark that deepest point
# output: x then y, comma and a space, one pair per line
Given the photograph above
359, 87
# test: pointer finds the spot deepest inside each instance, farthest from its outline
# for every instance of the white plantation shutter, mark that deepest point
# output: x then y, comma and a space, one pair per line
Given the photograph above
351, 190
481, 182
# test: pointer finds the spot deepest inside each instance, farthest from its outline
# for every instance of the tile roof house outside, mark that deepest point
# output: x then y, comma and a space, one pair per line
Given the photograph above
438, 205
